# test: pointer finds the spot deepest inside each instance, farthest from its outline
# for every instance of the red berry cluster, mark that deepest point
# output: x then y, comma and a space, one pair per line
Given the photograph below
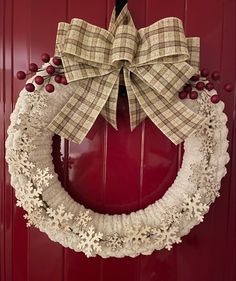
200, 82
54, 70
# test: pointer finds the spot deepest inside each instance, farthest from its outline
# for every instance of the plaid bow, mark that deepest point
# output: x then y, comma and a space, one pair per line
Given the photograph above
154, 62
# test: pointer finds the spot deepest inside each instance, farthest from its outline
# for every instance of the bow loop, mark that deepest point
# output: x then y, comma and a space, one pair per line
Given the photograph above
162, 42
83, 54
156, 62
81, 43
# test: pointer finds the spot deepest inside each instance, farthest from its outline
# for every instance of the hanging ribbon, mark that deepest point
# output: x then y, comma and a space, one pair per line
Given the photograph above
155, 62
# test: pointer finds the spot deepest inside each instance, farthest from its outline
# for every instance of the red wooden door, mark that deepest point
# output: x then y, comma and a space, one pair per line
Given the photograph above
113, 171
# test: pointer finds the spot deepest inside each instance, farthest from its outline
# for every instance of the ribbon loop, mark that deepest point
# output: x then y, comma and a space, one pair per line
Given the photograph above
162, 42
156, 62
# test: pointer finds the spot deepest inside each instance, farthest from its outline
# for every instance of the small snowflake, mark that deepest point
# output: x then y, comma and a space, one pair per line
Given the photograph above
114, 241
195, 176
59, 217
37, 102
167, 236
23, 142
137, 235
205, 130
19, 162
29, 197
34, 218
212, 191
205, 106
31, 125
23, 120
81, 221
194, 208
173, 214
89, 241
208, 146
208, 176
203, 174
42, 177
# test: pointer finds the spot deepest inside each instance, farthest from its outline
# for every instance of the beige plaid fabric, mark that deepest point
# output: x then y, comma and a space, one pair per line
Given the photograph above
154, 63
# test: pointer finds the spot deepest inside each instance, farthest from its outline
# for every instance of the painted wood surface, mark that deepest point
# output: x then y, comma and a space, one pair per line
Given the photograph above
115, 172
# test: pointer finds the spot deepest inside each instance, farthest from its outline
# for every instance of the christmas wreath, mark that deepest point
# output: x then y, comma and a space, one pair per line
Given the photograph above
41, 110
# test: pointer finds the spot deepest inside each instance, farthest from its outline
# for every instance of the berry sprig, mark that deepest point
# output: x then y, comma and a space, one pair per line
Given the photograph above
53, 70
199, 82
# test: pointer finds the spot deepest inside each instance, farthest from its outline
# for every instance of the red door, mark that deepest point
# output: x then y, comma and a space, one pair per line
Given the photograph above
114, 171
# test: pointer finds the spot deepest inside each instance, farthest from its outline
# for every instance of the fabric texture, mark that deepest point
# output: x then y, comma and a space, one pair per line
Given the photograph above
153, 62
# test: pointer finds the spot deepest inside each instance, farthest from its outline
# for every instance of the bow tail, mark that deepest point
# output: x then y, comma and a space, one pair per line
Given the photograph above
110, 108
165, 78
80, 112
172, 117
136, 113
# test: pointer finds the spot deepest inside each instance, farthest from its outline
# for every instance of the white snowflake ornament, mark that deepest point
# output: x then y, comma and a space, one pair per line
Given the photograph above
34, 218
167, 236
81, 221
42, 177
23, 143
114, 241
194, 208
29, 197
137, 235
89, 241
59, 217
19, 162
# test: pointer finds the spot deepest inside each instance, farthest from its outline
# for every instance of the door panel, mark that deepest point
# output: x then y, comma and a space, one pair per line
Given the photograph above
116, 171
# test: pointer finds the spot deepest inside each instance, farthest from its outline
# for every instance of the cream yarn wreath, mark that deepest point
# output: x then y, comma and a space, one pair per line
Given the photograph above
162, 224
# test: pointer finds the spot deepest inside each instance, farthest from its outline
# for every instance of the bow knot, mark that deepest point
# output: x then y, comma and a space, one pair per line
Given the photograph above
125, 44
156, 61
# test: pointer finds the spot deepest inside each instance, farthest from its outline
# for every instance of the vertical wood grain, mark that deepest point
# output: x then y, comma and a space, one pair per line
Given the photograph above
86, 161
2, 137
20, 61
43, 18
159, 155
8, 100
113, 171
228, 74
160, 163
208, 240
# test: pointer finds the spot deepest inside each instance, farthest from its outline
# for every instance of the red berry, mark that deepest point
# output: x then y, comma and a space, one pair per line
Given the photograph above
228, 87
45, 57
200, 86
215, 75
50, 69
21, 75
195, 78
205, 72
58, 78
56, 61
33, 67
215, 99
188, 88
39, 80
63, 80
183, 95
209, 86
193, 95
49, 88
29, 87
